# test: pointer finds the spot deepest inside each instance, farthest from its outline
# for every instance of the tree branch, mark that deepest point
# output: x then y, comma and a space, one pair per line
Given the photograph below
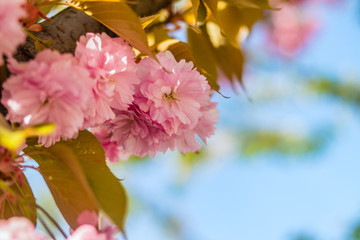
66, 28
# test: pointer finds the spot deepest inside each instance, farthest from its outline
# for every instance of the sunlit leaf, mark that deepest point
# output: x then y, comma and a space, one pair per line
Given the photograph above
195, 7
157, 35
69, 194
160, 34
79, 179
212, 5
39, 129
39, 46
13, 139
252, 3
229, 57
230, 60
203, 13
232, 19
203, 54
119, 18
19, 200
149, 20
179, 49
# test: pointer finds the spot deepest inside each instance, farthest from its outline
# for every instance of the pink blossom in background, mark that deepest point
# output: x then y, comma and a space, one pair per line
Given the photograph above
136, 133
50, 88
111, 62
178, 99
19, 228
291, 30
11, 29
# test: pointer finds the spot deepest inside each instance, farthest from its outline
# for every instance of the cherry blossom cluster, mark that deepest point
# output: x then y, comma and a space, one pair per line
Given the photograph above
133, 108
21, 228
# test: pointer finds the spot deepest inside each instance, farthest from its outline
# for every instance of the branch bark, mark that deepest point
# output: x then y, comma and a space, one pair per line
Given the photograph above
66, 28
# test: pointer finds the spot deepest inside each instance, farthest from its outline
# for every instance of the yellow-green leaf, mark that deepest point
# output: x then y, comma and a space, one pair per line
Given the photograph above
203, 54
179, 49
212, 5
13, 139
195, 7
251, 3
79, 179
232, 19
119, 18
149, 20
39, 46
230, 60
69, 194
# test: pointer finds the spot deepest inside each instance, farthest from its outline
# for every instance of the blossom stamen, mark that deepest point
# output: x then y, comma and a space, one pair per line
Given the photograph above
170, 97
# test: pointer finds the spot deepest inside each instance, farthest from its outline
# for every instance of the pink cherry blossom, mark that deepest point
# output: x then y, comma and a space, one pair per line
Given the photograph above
136, 133
178, 99
171, 97
87, 232
50, 88
11, 29
19, 228
111, 62
89, 227
185, 140
113, 151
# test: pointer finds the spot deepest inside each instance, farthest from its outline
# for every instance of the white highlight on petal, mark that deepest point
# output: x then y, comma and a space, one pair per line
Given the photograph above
27, 119
13, 105
124, 60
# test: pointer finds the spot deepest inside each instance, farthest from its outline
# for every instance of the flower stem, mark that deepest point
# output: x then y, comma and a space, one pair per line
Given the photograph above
51, 219
46, 227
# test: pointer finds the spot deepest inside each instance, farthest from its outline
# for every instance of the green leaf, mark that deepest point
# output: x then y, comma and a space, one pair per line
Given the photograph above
39, 46
69, 194
149, 20
252, 3
19, 202
203, 54
232, 18
119, 18
179, 49
79, 179
202, 13
212, 5
230, 60
159, 34
195, 7
13, 139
